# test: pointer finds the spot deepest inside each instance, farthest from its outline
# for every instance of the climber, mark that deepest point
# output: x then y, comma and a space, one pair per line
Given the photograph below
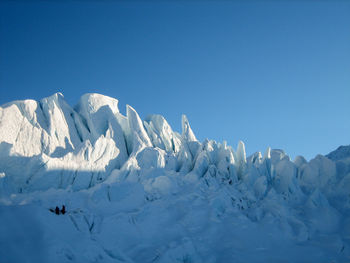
63, 210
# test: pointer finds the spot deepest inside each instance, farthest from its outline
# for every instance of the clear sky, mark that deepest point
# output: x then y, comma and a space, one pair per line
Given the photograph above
270, 73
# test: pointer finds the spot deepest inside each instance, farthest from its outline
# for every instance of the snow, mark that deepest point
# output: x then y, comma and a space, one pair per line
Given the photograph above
137, 191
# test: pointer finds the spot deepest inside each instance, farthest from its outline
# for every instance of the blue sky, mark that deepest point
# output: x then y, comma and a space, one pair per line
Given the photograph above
270, 73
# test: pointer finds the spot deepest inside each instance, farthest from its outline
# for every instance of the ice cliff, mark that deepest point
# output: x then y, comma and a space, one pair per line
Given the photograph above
137, 191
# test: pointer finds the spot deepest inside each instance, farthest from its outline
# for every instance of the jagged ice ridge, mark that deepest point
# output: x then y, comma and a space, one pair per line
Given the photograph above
136, 191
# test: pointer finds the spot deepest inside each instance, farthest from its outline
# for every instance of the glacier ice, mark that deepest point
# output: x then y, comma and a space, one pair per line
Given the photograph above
137, 191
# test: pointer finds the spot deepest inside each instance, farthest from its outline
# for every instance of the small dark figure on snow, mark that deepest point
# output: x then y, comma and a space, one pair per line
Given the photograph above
57, 210
63, 210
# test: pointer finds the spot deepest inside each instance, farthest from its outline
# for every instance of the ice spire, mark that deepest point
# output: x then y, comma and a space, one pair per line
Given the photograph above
267, 154
136, 126
241, 155
187, 133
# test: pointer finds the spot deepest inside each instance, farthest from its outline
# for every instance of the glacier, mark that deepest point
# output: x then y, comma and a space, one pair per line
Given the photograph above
137, 191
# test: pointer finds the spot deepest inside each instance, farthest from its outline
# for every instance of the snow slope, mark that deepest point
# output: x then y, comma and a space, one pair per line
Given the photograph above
136, 191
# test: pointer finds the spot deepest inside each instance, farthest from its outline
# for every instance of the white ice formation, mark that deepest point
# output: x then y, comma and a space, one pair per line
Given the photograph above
136, 191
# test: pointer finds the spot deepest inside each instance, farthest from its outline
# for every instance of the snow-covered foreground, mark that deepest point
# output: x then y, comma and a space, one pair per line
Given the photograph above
136, 191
